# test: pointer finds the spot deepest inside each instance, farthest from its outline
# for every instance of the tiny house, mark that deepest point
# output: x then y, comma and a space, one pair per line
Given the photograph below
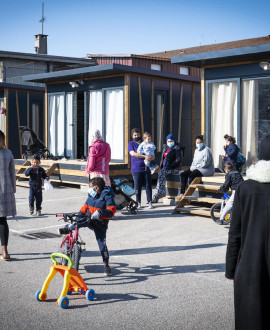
235, 87
115, 98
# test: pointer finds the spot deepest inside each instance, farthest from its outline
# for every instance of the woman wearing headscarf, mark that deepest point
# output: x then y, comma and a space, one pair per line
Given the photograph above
247, 259
7, 191
98, 158
172, 154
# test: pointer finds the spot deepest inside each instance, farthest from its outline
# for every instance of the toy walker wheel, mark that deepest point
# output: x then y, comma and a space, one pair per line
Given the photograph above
43, 297
90, 294
64, 302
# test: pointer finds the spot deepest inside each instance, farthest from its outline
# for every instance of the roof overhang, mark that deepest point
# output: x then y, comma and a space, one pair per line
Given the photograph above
200, 60
47, 58
103, 70
22, 87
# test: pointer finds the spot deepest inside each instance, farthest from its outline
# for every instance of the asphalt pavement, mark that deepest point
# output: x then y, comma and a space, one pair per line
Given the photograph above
168, 271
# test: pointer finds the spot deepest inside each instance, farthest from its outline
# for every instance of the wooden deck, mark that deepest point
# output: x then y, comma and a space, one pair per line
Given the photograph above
201, 195
67, 172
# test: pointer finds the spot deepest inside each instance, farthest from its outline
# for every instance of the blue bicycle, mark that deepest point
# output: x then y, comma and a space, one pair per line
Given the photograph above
217, 209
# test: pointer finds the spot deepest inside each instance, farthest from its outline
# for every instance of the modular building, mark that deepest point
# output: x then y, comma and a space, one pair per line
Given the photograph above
115, 98
235, 91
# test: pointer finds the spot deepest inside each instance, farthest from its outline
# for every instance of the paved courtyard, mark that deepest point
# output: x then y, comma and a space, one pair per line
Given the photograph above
168, 271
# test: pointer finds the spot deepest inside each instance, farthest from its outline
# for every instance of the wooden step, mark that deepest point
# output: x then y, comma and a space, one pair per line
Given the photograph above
21, 184
193, 210
205, 187
203, 199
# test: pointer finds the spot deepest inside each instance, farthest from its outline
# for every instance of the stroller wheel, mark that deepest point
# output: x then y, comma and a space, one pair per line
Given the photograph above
132, 207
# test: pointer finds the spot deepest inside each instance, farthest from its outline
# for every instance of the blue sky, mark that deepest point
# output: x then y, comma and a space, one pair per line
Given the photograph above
78, 27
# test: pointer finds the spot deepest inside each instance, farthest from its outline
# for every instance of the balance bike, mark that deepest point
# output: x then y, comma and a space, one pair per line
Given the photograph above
73, 282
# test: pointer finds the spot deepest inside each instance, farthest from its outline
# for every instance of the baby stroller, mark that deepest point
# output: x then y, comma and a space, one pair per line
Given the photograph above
123, 193
33, 144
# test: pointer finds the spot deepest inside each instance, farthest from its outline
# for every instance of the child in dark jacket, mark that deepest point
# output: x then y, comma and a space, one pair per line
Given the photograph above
232, 180
36, 173
98, 209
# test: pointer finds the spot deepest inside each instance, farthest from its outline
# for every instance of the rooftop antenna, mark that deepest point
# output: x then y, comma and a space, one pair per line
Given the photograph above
43, 17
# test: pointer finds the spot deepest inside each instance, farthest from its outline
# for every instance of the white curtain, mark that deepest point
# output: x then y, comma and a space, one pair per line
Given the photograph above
56, 125
2, 117
95, 112
35, 118
69, 125
223, 117
248, 121
115, 122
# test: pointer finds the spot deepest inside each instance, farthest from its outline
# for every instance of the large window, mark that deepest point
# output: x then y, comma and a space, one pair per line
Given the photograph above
2, 117
223, 116
160, 120
61, 125
106, 113
35, 118
255, 116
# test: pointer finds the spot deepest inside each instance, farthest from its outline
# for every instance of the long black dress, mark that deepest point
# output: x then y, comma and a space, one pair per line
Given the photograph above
248, 251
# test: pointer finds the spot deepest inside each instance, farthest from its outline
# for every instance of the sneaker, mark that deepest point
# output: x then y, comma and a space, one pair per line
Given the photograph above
150, 206
31, 210
63, 231
107, 271
139, 206
38, 213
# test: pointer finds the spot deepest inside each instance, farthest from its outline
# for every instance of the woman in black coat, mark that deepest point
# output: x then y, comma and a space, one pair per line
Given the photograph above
248, 251
170, 163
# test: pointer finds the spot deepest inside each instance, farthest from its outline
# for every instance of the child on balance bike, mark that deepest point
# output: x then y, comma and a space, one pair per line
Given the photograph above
98, 209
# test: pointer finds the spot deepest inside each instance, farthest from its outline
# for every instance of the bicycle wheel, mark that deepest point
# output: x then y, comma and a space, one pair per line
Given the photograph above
76, 255
64, 250
215, 211
228, 218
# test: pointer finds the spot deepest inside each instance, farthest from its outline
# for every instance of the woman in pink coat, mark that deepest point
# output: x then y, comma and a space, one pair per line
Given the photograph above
98, 158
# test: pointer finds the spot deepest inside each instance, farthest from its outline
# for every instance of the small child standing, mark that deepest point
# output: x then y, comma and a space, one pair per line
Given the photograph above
148, 148
232, 180
36, 174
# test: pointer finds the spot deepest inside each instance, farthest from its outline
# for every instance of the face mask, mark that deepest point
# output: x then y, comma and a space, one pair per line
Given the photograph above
137, 139
92, 192
199, 146
170, 144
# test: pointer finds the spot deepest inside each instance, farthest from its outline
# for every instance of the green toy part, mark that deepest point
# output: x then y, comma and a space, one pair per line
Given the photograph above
61, 255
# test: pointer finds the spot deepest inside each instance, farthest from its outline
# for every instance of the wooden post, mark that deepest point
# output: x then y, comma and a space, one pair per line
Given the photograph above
193, 117
28, 122
171, 109
202, 102
18, 121
153, 110
180, 112
140, 100
127, 123
161, 125
6, 116
45, 108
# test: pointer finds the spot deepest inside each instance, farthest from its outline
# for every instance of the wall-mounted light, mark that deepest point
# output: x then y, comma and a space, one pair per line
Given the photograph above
265, 65
73, 84
76, 83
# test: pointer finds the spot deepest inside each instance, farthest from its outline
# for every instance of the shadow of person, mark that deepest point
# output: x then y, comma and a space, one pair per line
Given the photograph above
123, 273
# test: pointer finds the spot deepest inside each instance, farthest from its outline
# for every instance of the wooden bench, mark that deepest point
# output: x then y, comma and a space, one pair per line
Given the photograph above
201, 194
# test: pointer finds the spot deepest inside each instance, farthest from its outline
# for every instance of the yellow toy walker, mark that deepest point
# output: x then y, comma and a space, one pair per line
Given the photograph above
73, 282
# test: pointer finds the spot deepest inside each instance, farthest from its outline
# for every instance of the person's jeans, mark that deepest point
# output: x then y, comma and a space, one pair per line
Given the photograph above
187, 177
35, 193
101, 239
143, 179
4, 231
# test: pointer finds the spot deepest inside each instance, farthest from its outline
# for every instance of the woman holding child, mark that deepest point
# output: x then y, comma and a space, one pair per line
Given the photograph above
140, 166
7, 191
